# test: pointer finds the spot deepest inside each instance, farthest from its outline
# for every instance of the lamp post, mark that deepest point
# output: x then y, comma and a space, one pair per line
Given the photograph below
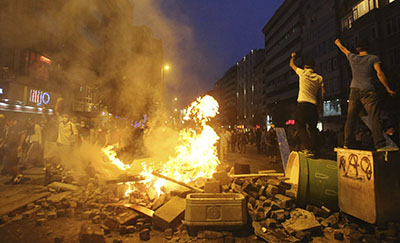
163, 69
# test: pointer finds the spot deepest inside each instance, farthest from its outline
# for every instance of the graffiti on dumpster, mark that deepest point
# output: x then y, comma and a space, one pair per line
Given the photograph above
355, 168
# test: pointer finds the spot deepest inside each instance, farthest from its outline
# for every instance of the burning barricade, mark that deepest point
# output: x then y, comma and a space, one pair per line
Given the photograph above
193, 198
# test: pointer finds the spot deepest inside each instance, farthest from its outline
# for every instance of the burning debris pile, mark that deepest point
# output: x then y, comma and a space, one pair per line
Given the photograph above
269, 201
193, 198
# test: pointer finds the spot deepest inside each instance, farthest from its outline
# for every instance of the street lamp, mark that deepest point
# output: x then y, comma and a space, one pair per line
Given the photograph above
163, 69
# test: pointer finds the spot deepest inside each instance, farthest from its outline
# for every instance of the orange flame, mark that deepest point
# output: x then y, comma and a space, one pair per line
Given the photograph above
196, 155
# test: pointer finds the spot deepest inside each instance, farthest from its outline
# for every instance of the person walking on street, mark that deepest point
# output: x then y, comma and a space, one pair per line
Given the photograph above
67, 131
363, 94
243, 140
311, 94
233, 140
12, 141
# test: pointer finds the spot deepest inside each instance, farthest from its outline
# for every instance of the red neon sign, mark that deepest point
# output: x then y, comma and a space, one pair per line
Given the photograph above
45, 59
290, 122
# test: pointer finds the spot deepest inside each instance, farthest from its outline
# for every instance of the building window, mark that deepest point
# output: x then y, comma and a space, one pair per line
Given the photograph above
360, 9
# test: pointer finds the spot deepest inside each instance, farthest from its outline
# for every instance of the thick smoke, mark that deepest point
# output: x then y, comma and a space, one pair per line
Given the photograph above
117, 47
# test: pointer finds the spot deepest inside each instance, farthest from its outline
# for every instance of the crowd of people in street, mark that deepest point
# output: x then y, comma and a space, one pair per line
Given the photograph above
40, 139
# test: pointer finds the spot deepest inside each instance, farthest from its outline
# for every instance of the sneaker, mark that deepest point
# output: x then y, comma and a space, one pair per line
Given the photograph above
387, 148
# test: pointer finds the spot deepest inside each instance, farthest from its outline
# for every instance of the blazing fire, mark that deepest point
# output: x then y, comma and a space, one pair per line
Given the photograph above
112, 155
195, 156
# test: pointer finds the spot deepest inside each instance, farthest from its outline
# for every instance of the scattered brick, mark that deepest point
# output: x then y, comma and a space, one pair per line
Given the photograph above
144, 235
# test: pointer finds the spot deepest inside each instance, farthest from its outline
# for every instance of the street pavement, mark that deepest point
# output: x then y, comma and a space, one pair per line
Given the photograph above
256, 161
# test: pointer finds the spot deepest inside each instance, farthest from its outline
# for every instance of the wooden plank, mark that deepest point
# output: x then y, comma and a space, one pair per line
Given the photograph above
177, 182
135, 207
259, 175
266, 171
14, 205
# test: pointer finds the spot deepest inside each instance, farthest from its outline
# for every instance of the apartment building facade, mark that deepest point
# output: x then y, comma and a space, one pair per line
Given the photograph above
225, 92
245, 89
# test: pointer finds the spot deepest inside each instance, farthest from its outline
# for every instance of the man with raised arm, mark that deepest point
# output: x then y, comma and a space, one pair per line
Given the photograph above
364, 68
311, 87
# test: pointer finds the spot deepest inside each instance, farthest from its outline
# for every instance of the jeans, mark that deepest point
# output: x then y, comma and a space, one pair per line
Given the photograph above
367, 99
307, 114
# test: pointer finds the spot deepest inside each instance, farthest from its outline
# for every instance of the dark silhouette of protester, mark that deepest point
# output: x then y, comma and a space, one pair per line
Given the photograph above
363, 93
311, 94
258, 140
13, 139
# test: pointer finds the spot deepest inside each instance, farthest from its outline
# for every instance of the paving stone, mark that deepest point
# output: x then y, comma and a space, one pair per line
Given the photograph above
212, 187
61, 213
86, 214
70, 212
271, 190
283, 201
4, 219
222, 177
291, 193
303, 236
144, 235
241, 168
40, 222
59, 239
168, 232
112, 223
274, 181
52, 215
96, 220
339, 236
355, 236
210, 235
91, 234
269, 223
41, 215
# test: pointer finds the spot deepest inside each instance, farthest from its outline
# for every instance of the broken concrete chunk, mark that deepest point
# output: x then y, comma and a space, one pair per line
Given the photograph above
170, 214
212, 187
62, 186
300, 220
222, 177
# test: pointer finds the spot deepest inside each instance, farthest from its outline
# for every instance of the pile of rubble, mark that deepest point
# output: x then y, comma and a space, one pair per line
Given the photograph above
271, 205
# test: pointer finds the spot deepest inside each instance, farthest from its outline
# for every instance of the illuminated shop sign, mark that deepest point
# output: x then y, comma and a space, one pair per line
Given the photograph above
45, 59
39, 97
332, 108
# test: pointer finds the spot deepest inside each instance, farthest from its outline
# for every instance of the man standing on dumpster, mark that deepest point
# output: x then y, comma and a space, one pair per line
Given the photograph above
311, 87
363, 94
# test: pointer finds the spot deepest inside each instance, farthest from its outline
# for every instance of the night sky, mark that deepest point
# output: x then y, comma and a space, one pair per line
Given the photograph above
223, 32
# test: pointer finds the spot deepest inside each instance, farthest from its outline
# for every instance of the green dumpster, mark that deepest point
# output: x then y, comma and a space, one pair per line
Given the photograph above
316, 180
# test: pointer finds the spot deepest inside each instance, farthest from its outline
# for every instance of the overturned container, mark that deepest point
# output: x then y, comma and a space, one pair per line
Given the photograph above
369, 184
215, 209
315, 180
